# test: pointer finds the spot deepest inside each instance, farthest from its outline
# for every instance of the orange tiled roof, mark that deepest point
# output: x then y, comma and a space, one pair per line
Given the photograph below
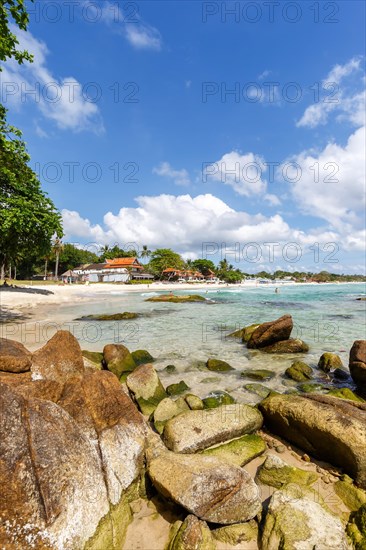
124, 262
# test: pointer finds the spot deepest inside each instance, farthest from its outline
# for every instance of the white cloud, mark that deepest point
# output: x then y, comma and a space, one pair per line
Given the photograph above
137, 32
332, 183
180, 177
61, 100
244, 173
335, 96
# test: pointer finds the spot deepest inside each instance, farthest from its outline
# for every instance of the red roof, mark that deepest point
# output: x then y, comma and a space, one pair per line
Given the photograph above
124, 262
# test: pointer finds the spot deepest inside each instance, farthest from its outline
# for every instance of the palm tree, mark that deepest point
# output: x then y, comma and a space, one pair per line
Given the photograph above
57, 249
223, 264
145, 252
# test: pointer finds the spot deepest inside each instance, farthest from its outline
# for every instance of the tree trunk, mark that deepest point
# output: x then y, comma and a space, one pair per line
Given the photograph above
45, 269
56, 266
9, 271
2, 276
15, 273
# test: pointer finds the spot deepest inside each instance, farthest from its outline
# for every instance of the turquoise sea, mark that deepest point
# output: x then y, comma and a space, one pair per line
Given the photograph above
326, 316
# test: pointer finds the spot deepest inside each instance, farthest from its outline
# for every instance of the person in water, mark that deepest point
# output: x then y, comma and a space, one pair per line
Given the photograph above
276, 290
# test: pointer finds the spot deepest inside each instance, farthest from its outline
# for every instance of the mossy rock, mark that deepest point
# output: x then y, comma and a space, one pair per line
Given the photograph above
167, 409
217, 398
248, 331
238, 451
125, 316
356, 528
299, 371
345, 393
258, 389
148, 391
258, 374
176, 389
218, 365
171, 298
311, 387
194, 403
141, 356
118, 359
329, 361
93, 356
236, 334
276, 473
170, 369
237, 533
352, 496
112, 528
210, 380
292, 345
192, 533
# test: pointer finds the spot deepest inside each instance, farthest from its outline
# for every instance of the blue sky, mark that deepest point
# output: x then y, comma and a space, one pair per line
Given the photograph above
173, 124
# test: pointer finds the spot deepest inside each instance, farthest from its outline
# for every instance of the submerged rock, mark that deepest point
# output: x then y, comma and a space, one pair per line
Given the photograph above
14, 357
238, 451
329, 361
345, 393
357, 363
299, 371
118, 359
206, 487
248, 331
191, 533
276, 473
196, 430
271, 332
294, 522
258, 389
258, 374
142, 356
126, 315
146, 387
334, 431
59, 359
218, 365
176, 299
217, 398
236, 334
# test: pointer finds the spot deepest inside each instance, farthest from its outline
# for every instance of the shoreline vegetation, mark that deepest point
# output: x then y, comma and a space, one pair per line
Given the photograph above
152, 466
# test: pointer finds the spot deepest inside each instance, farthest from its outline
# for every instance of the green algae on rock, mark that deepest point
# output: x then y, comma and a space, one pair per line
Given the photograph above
218, 365
95, 357
176, 389
258, 389
237, 533
210, 380
177, 299
345, 393
277, 473
170, 369
238, 451
299, 371
248, 331
195, 403
125, 316
142, 356
191, 533
258, 374
352, 496
292, 345
166, 409
118, 359
356, 528
146, 387
329, 361
217, 398
236, 334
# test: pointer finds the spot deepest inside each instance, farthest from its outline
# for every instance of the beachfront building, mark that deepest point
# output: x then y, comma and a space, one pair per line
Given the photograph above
116, 270
187, 276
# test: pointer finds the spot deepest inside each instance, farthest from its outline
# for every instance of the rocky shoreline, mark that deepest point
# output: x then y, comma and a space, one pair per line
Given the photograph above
95, 453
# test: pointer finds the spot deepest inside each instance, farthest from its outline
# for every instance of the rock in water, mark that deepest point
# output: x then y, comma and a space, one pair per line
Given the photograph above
299, 371
329, 361
192, 533
14, 357
271, 332
145, 384
292, 345
357, 363
334, 431
118, 359
59, 359
196, 430
142, 356
296, 522
218, 365
206, 487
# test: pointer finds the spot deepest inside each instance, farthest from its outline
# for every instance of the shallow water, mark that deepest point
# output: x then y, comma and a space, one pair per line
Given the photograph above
328, 317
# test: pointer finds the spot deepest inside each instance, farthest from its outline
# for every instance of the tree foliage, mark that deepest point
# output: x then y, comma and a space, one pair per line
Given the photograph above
162, 258
12, 11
